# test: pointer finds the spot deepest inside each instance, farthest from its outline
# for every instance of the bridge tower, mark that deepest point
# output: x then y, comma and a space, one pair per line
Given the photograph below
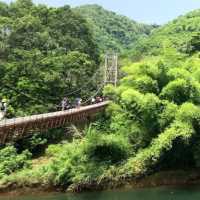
111, 69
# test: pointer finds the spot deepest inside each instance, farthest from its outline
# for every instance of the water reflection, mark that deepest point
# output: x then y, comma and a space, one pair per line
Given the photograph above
169, 193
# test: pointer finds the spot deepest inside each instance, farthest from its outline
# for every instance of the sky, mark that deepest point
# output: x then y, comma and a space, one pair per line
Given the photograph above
147, 11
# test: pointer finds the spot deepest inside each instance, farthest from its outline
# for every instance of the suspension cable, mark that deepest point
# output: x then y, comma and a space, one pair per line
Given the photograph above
24, 94
93, 95
68, 94
96, 92
86, 84
73, 92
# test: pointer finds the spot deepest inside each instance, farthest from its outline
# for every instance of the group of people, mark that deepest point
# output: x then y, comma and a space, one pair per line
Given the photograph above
3, 108
65, 104
97, 99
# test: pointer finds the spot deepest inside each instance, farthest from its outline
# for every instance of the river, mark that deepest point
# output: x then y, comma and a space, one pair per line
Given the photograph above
163, 193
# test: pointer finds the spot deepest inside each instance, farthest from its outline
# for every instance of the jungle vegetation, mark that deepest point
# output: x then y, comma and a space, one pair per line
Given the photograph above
112, 31
152, 124
43, 53
182, 34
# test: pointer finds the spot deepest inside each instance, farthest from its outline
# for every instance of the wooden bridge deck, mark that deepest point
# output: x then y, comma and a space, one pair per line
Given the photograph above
14, 129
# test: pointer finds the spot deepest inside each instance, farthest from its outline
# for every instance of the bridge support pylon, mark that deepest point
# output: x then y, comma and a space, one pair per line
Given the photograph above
111, 69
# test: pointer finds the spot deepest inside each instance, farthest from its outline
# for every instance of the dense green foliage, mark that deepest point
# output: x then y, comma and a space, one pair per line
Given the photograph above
10, 161
153, 122
182, 33
112, 31
158, 103
93, 159
43, 53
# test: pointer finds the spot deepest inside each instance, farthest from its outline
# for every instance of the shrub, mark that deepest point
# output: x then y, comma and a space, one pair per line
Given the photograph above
175, 73
181, 91
107, 148
109, 90
190, 114
167, 116
148, 157
146, 84
137, 135
10, 161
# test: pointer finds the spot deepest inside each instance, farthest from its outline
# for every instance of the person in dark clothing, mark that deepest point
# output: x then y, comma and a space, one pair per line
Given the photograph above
99, 99
64, 104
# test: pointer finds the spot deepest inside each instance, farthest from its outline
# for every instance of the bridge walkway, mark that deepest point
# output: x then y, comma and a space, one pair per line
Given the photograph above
17, 128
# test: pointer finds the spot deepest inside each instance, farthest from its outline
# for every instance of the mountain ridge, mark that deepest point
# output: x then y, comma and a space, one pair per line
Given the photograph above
112, 30
182, 33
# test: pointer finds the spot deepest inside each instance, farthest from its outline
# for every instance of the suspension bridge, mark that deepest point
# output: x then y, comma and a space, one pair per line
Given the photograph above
14, 129
17, 128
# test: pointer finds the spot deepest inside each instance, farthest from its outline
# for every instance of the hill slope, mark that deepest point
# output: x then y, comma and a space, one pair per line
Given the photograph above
182, 33
43, 53
113, 31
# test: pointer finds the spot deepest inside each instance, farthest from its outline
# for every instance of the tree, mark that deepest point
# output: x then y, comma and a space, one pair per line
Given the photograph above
46, 53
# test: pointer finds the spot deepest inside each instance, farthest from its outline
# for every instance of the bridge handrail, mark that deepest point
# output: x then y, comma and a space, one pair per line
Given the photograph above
27, 119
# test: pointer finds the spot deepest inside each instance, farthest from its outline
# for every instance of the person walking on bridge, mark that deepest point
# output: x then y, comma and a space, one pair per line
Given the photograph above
99, 99
93, 100
64, 103
3, 108
78, 102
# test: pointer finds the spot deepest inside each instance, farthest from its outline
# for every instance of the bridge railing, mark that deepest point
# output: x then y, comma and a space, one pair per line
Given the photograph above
16, 128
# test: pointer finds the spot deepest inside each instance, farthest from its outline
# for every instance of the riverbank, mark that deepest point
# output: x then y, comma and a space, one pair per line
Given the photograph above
170, 178
161, 193
165, 178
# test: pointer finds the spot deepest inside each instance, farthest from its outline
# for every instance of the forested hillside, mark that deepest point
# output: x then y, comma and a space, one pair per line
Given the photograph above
182, 33
43, 53
113, 31
152, 123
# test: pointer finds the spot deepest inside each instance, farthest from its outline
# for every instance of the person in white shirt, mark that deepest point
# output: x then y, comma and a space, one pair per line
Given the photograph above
3, 108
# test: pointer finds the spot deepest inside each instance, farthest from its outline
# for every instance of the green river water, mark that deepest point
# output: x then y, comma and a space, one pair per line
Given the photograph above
163, 193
